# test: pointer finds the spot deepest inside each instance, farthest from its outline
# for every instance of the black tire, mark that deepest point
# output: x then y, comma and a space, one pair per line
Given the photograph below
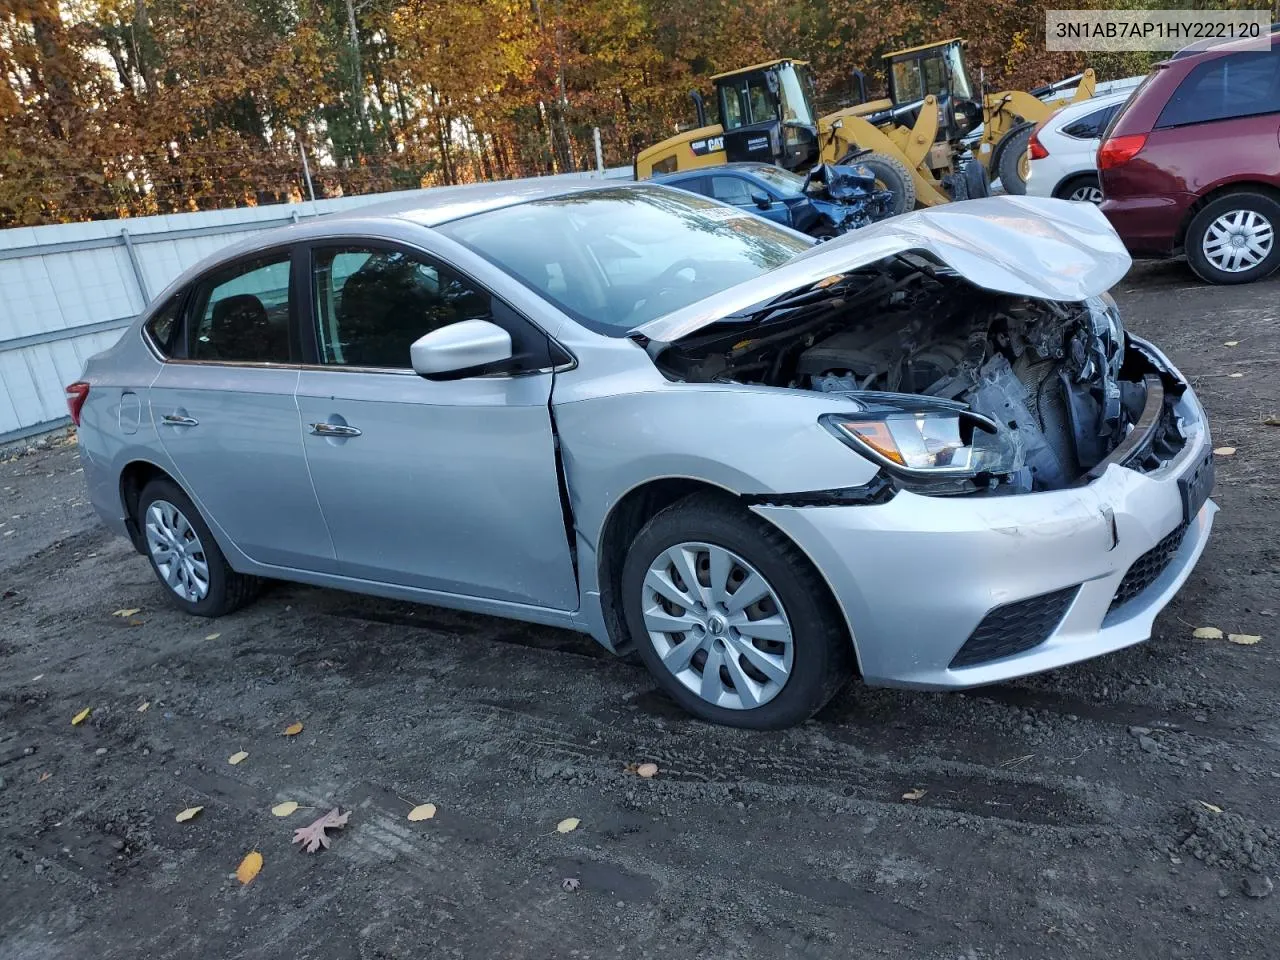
1258, 204
896, 177
227, 590
823, 656
957, 186
1009, 153
977, 183
1084, 182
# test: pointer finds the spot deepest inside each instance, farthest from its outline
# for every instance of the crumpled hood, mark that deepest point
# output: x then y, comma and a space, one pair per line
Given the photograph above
1027, 246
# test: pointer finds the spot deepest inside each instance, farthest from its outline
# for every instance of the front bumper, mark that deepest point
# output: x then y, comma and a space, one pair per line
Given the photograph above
917, 575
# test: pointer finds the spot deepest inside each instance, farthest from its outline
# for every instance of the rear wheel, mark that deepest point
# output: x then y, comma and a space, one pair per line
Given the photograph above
185, 557
1233, 239
1013, 163
893, 175
977, 183
730, 618
1082, 189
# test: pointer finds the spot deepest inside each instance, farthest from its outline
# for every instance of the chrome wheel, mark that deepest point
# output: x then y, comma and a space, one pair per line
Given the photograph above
1088, 193
176, 551
1238, 241
717, 625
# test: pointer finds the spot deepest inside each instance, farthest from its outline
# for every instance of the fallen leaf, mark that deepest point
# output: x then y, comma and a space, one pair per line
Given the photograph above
570, 883
647, 770
43, 777
237, 758
1207, 633
145, 705
293, 729
567, 824
1235, 376
1224, 451
1271, 422
1244, 639
213, 636
313, 835
1231, 343
1209, 806
187, 814
80, 717
249, 867
127, 612
38, 676
915, 794
284, 809
423, 811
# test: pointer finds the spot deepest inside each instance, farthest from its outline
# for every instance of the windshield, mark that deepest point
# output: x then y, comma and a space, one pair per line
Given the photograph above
784, 181
960, 86
616, 258
795, 105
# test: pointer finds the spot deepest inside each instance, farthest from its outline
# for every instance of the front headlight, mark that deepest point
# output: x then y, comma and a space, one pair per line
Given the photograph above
931, 441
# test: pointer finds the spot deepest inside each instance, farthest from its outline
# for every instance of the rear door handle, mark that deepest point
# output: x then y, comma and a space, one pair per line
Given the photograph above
334, 430
174, 420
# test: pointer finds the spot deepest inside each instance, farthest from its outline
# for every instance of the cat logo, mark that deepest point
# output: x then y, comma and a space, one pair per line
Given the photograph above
710, 145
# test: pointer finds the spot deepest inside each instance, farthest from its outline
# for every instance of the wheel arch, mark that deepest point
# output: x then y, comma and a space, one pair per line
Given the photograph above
133, 480
1217, 193
633, 510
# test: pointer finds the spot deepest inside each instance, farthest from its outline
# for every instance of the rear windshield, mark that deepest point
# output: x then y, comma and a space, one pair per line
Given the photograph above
1238, 85
616, 258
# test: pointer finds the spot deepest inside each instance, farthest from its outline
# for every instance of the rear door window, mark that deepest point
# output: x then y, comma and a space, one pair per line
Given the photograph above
1239, 85
240, 314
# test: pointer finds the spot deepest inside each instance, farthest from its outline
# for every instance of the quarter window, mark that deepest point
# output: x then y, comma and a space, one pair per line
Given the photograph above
241, 313
1237, 85
1091, 125
163, 324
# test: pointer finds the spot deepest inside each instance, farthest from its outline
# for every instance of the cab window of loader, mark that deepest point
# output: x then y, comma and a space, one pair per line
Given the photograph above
908, 85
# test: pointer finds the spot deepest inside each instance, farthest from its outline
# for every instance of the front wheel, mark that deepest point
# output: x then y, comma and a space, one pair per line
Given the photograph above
1013, 163
893, 175
1233, 239
730, 618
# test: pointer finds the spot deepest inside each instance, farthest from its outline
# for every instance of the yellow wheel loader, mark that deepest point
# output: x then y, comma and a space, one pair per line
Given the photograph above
767, 117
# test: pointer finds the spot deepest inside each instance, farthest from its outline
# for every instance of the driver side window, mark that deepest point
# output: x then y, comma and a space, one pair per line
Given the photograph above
372, 304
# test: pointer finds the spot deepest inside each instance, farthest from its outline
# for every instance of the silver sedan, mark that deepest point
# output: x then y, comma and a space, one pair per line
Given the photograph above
927, 452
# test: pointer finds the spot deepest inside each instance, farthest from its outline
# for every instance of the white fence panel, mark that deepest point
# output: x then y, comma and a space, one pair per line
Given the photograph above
67, 290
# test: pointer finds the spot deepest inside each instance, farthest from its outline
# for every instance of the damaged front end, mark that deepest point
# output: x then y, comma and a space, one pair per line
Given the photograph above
951, 387
846, 197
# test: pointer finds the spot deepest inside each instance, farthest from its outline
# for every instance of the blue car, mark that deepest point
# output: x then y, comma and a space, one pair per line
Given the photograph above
781, 196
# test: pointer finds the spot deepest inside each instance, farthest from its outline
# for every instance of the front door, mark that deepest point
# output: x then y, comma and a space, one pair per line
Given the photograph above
227, 418
444, 485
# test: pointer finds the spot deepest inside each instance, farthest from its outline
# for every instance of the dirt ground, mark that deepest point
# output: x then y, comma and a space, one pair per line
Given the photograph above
1128, 807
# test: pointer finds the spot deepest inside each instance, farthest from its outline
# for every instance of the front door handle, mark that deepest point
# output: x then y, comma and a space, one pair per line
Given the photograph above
334, 430
175, 420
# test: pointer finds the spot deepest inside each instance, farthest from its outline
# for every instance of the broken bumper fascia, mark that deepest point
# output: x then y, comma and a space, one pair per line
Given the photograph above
915, 576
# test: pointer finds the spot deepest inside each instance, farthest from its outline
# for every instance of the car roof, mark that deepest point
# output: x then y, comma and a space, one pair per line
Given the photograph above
438, 205
1216, 46
741, 166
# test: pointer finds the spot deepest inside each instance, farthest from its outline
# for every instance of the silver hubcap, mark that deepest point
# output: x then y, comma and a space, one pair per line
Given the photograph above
1086, 194
177, 552
717, 625
1238, 241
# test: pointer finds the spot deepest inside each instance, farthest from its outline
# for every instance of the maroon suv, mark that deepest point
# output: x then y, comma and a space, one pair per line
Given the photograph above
1192, 163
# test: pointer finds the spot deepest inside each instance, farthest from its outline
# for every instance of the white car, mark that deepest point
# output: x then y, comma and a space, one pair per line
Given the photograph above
1064, 149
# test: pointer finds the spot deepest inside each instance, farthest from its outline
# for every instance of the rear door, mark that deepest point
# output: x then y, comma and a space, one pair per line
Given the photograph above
226, 416
443, 485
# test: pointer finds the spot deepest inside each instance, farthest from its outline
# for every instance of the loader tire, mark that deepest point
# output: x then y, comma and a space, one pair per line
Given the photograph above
1009, 153
893, 175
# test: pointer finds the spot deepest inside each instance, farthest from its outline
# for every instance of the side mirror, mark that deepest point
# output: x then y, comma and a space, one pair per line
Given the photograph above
761, 200
465, 349
839, 122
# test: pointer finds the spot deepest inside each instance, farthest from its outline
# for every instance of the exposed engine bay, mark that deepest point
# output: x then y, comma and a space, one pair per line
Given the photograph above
1043, 392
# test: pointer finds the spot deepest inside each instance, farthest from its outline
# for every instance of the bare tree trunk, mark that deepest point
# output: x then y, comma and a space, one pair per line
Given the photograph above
357, 71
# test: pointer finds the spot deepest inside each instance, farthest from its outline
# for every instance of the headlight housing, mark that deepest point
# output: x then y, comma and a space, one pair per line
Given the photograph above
916, 437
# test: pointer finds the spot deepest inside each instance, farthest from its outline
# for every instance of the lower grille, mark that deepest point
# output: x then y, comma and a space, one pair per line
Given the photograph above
1147, 569
1015, 627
